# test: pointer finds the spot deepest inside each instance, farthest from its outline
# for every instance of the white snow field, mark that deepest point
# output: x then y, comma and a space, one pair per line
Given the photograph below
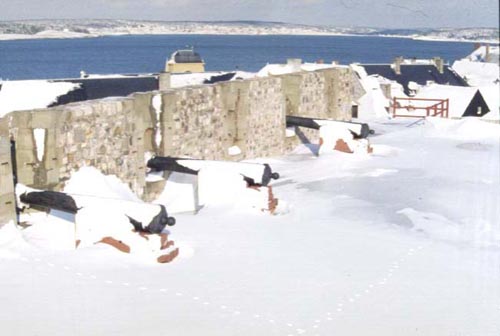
405, 241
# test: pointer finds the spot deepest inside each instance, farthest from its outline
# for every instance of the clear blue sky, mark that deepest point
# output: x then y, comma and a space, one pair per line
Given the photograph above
385, 13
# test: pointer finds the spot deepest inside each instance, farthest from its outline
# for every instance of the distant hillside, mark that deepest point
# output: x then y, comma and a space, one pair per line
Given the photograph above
91, 28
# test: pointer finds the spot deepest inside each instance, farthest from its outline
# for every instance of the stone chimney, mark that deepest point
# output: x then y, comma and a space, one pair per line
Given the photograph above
294, 63
164, 81
439, 63
397, 64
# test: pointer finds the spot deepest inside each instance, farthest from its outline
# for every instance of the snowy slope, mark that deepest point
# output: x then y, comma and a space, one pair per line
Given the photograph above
404, 241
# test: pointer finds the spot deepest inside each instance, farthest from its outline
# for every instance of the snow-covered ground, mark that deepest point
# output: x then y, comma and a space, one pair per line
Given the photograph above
403, 241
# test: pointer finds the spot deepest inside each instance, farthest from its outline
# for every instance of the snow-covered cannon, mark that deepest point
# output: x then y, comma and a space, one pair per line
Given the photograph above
358, 130
255, 174
215, 183
50, 200
94, 219
344, 136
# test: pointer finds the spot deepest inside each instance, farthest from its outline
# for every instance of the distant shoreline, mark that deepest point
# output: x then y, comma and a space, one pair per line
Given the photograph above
74, 35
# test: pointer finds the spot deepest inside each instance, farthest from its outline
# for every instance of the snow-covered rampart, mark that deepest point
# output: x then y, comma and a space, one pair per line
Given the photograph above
233, 120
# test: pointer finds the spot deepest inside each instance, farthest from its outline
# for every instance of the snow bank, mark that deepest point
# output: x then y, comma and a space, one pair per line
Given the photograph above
476, 232
251, 170
104, 202
218, 187
331, 134
180, 193
466, 128
31, 94
90, 181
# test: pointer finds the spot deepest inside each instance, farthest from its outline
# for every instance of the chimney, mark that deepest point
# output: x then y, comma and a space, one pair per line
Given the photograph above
294, 63
397, 64
439, 63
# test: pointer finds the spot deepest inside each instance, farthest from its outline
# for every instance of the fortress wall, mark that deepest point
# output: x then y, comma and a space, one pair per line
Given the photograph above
7, 198
323, 94
103, 133
204, 122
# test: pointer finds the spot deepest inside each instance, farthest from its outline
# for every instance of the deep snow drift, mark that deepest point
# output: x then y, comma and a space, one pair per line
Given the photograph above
403, 241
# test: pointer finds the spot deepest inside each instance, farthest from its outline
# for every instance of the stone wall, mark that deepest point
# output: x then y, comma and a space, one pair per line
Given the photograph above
104, 133
261, 118
194, 123
7, 200
114, 134
323, 94
205, 121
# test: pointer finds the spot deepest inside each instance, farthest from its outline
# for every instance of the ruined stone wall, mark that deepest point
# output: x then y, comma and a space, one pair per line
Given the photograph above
261, 119
194, 123
106, 134
205, 121
114, 134
7, 201
323, 94
338, 92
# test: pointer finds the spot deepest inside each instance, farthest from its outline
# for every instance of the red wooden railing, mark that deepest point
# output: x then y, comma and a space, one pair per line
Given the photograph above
436, 107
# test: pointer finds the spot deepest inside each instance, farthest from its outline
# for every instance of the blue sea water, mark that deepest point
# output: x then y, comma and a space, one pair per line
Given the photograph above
53, 58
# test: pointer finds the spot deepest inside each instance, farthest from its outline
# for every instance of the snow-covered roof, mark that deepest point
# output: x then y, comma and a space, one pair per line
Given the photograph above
459, 97
485, 54
418, 73
282, 69
31, 94
477, 73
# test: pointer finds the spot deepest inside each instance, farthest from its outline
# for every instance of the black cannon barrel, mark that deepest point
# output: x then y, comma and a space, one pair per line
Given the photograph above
359, 130
253, 173
157, 223
161, 163
50, 199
